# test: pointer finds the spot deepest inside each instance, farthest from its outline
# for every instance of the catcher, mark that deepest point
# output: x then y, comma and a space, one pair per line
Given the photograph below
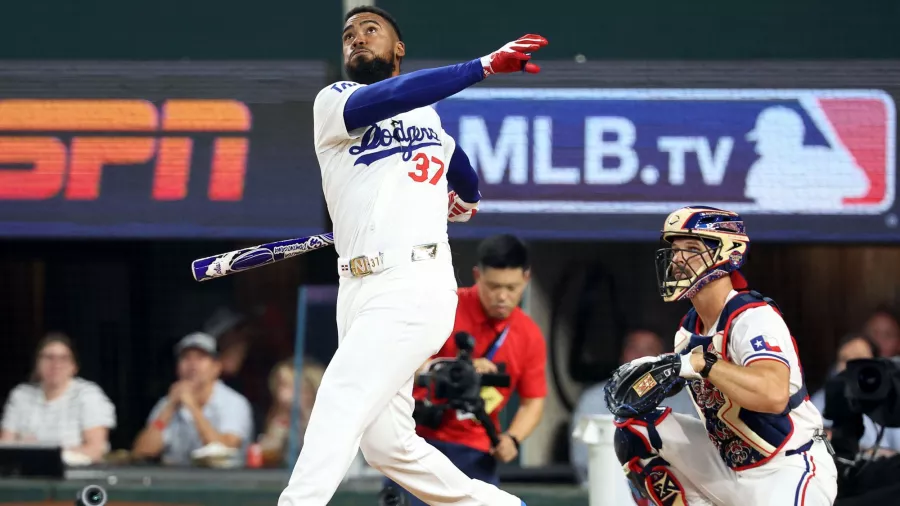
760, 440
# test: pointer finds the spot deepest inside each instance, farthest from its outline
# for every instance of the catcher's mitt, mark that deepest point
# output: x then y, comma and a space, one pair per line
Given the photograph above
639, 386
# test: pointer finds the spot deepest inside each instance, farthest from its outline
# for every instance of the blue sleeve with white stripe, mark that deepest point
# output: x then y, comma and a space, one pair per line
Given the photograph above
385, 99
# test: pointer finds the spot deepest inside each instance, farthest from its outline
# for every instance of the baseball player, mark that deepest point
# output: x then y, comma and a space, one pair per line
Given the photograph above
759, 440
386, 166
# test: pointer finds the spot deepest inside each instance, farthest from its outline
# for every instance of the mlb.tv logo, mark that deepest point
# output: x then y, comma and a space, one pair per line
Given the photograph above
648, 151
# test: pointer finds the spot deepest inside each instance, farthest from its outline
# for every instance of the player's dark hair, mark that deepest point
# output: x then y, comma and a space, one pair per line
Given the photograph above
503, 251
377, 11
47, 340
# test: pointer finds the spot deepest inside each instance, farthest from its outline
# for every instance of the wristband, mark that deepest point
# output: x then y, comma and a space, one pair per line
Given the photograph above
514, 440
159, 424
710, 359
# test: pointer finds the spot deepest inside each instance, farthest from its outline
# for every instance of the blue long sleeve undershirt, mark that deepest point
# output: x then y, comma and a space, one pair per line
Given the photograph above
462, 177
385, 99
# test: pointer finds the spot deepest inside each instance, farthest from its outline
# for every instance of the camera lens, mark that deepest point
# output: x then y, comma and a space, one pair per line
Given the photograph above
869, 379
93, 495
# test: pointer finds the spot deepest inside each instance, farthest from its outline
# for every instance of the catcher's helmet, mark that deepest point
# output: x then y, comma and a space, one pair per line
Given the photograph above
726, 241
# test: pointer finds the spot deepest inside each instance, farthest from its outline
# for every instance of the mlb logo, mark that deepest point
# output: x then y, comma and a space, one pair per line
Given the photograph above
829, 152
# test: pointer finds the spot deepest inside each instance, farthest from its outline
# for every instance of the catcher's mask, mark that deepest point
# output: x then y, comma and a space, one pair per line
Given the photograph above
682, 272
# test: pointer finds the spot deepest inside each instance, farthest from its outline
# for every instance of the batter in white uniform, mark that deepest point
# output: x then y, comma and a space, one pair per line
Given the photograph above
387, 166
760, 440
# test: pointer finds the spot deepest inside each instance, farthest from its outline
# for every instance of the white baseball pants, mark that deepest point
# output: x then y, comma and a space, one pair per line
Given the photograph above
389, 324
804, 479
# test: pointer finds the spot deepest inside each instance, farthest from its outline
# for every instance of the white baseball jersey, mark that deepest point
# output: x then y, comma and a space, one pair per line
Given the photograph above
385, 184
757, 333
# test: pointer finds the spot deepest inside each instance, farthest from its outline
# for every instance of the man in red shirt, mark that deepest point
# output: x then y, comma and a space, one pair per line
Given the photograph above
503, 334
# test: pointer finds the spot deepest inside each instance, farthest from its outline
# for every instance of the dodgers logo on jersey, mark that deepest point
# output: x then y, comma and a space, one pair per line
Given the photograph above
824, 152
408, 140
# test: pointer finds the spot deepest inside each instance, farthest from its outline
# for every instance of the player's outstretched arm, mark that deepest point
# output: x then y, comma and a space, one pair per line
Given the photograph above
384, 99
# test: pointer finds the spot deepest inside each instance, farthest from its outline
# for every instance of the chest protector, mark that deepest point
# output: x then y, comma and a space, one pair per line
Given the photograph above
744, 438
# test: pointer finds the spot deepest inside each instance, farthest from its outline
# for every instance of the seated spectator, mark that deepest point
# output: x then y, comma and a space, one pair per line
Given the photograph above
883, 329
276, 437
58, 407
199, 409
854, 347
247, 354
229, 329
639, 343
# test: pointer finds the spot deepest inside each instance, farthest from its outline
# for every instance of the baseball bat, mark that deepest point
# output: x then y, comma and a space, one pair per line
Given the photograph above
224, 264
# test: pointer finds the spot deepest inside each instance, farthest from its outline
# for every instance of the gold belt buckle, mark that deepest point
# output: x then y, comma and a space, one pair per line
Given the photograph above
360, 266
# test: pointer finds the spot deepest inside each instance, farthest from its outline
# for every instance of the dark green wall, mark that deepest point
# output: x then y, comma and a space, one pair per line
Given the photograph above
297, 29
171, 29
665, 29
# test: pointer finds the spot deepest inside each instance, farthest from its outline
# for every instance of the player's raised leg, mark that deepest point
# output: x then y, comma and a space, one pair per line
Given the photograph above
668, 459
383, 345
406, 314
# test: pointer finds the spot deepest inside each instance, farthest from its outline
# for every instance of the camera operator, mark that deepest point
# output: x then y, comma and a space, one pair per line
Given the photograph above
855, 347
866, 388
506, 342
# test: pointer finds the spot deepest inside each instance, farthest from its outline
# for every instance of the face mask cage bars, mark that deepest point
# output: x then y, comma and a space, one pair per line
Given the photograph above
676, 275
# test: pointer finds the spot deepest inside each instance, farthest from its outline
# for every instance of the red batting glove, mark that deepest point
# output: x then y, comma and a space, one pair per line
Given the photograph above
514, 56
458, 210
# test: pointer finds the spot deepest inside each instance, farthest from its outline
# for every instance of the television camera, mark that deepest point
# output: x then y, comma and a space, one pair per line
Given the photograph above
869, 387
455, 385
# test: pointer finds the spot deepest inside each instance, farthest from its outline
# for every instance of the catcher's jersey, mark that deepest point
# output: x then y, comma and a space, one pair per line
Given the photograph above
749, 330
385, 184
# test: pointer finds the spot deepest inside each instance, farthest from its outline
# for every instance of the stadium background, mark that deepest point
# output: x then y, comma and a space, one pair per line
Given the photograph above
122, 289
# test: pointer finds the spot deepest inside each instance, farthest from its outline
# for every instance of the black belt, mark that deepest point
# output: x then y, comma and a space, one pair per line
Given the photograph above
801, 449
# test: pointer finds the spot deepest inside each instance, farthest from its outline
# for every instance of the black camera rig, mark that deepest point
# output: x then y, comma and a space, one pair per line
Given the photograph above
868, 387
455, 385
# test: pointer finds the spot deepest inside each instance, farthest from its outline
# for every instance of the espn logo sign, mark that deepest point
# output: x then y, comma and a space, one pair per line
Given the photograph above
36, 163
